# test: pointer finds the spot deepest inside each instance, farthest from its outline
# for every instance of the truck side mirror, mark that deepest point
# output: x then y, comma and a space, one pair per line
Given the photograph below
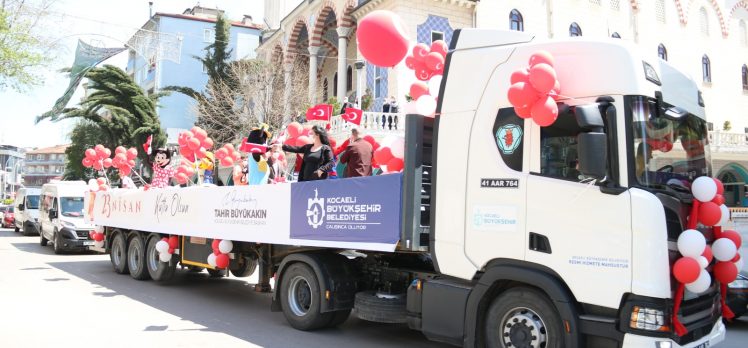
20, 207
592, 150
52, 214
589, 117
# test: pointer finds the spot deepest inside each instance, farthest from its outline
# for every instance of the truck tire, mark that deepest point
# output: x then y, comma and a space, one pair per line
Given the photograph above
17, 229
339, 317
300, 296
381, 309
42, 241
161, 272
136, 258
57, 243
25, 230
523, 317
245, 268
118, 253
216, 273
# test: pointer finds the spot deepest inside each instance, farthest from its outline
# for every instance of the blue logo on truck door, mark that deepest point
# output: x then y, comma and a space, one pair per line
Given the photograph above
509, 138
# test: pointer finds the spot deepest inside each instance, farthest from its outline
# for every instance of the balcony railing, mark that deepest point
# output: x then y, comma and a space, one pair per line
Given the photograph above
728, 142
376, 124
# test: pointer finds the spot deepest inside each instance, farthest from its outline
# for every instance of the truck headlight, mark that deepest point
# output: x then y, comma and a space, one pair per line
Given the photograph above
67, 224
650, 319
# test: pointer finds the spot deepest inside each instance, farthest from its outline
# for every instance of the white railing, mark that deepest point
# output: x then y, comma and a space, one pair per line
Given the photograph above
376, 124
732, 142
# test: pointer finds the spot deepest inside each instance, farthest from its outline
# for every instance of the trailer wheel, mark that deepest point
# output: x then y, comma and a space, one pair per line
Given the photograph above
523, 317
245, 267
136, 258
118, 253
381, 308
159, 271
300, 299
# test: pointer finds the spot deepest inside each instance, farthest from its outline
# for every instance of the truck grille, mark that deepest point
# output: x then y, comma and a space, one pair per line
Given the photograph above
699, 315
82, 234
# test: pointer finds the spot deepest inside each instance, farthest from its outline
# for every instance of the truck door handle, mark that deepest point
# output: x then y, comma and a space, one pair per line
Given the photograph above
540, 243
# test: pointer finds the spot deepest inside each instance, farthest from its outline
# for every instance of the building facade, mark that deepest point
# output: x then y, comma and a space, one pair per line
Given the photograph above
11, 169
43, 165
196, 30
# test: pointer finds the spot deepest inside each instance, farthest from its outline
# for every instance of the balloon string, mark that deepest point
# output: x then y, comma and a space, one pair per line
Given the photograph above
679, 328
726, 311
693, 218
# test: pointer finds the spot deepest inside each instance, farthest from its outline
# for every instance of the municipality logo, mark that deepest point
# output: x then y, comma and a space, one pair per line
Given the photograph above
509, 138
315, 211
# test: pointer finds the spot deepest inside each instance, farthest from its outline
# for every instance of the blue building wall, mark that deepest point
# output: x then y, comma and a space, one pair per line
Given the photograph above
177, 110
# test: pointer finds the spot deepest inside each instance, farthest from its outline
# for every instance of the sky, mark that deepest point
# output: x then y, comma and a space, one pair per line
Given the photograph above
77, 19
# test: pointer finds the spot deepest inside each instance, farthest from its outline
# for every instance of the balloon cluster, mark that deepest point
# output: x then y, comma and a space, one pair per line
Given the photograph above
428, 65
194, 143
97, 235
228, 155
166, 248
297, 135
220, 256
185, 171
534, 90
98, 184
389, 156
124, 160
96, 157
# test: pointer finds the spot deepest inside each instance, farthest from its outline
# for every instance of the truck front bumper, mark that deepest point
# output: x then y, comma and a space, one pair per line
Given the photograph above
716, 336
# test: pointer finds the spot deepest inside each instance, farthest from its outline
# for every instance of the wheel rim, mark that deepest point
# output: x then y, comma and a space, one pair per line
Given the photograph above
153, 259
134, 256
523, 328
117, 252
300, 296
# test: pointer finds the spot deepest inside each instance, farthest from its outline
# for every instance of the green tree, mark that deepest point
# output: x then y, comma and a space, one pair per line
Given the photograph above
24, 44
727, 126
117, 110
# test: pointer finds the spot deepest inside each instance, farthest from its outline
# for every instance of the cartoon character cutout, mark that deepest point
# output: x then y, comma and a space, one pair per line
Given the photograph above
162, 169
206, 168
257, 164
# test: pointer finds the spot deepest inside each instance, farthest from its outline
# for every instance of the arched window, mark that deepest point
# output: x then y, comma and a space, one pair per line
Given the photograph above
349, 79
334, 86
704, 19
662, 52
745, 77
575, 30
743, 30
616, 35
515, 21
706, 69
325, 87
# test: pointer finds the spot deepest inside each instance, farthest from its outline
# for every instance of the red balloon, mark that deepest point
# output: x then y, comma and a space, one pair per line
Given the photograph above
173, 242
182, 140
120, 149
215, 243
90, 153
544, 112
523, 112
725, 272
420, 51
132, 153
417, 89
125, 171
370, 139
686, 270
107, 153
383, 155
410, 62
541, 57
709, 214
98, 237
434, 61
303, 140
222, 261
736, 258
103, 187
542, 77
200, 152
87, 162
708, 254
236, 156
294, 129
441, 47
227, 162
107, 162
522, 94
395, 165
734, 237
521, 75
221, 153
382, 39
207, 143
424, 74
720, 186
193, 144
98, 165
718, 198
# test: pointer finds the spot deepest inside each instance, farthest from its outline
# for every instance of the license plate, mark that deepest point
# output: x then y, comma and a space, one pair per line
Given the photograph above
88, 243
703, 345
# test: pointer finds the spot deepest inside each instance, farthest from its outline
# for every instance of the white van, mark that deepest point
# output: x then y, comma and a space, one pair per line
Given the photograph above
27, 211
61, 216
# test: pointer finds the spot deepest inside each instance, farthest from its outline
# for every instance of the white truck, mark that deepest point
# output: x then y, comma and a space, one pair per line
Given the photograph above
562, 236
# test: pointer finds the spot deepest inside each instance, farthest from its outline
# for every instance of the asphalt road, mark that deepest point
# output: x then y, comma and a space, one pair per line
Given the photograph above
51, 300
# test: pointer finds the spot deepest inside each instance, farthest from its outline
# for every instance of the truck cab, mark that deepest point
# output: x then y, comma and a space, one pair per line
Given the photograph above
61, 216
582, 216
27, 211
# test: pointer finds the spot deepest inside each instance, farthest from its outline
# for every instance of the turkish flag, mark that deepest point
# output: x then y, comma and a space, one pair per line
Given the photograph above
320, 112
352, 115
147, 145
252, 148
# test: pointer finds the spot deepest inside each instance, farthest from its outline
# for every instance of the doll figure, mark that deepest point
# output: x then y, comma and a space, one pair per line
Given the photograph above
162, 169
206, 168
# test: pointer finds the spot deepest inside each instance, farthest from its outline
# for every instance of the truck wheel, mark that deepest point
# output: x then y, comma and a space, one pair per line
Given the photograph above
216, 273
381, 308
57, 243
136, 258
17, 229
339, 317
159, 271
300, 296
246, 267
523, 317
42, 241
118, 253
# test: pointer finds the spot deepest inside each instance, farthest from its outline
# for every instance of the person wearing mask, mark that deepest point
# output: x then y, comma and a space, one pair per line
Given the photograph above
357, 156
317, 156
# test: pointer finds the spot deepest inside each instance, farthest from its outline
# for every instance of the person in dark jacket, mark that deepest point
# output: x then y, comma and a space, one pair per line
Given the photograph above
357, 156
317, 160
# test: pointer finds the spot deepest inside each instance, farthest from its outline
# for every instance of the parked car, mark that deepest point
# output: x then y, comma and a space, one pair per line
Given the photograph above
8, 217
27, 211
61, 216
737, 295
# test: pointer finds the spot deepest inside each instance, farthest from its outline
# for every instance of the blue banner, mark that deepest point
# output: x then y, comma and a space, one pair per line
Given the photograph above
361, 210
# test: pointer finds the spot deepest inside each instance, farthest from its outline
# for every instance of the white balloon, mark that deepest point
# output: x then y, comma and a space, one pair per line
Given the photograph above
725, 215
398, 148
225, 246
701, 284
164, 257
691, 243
703, 262
426, 105
724, 249
93, 185
434, 85
704, 188
99, 243
739, 264
410, 108
212, 260
99, 229
162, 247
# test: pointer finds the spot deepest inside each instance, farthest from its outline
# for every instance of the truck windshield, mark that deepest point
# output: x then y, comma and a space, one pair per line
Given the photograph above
668, 151
32, 202
71, 206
